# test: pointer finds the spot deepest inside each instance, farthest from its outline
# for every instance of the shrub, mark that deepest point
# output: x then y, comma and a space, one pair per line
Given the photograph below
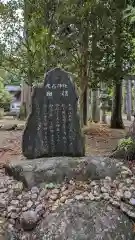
126, 143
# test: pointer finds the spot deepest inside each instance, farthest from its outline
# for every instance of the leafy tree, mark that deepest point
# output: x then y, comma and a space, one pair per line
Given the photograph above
77, 40
121, 58
28, 57
99, 43
5, 96
89, 38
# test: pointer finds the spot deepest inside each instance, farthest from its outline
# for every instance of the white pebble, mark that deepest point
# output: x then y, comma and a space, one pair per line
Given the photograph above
109, 208
43, 193
98, 198
131, 214
119, 194
132, 187
11, 208
128, 181
93, 183
119, 164
53, 197
108, 178
106, 196
54, 207
3, 190
68, 201
24, 209
103, 190
55, 191
79, 197
34, 190
127, 195
15, 202
116, 203
127, 172
63, 199
19, 197
29, 204
124, 168
14, 215
85, 194
34, 196
66, 193
132, 201
91, 197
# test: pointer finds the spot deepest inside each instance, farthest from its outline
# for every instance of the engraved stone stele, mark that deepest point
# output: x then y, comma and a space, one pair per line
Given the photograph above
53, 126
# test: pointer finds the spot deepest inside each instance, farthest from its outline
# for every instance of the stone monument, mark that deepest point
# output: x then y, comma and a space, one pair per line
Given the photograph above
53, 126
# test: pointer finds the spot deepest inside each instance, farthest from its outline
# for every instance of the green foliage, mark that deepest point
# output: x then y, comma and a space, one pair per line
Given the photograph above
11, 77
90, 39
5, 97
130, 14
126, 144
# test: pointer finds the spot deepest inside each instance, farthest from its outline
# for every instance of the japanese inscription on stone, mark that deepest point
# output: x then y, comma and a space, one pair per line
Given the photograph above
53, 127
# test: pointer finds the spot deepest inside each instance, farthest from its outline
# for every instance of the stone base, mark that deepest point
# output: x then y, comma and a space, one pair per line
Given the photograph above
57, 169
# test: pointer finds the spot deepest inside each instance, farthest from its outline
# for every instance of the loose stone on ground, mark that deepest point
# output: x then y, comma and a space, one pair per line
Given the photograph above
29, 206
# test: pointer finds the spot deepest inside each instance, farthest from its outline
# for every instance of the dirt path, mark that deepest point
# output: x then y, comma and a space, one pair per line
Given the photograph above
10, 145
100, 140
11, 120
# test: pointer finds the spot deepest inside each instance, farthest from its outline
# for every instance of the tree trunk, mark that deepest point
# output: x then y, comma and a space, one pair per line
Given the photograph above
85, 107
84, 80
27, 86
129, 100
26, 97
94, 105
81, 111
88, 105
134, 98
124, 97
102, 109
102, 116
116, 118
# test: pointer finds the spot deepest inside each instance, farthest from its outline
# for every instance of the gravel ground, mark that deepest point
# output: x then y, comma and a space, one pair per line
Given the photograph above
22, 210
